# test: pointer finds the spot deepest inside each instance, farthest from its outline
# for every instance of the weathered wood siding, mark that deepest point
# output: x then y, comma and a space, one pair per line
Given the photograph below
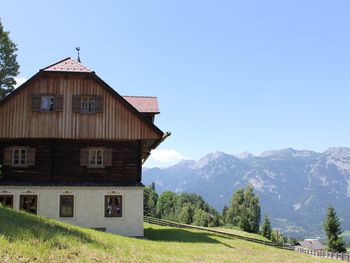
59, 161
17, 120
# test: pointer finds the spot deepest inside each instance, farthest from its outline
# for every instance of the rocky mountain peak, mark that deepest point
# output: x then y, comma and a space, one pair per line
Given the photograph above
244, 155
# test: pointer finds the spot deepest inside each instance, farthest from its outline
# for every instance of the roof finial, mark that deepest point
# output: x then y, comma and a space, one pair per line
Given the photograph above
78, 49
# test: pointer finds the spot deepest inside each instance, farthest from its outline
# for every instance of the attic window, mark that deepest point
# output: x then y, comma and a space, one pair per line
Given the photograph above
87, 104
47, 103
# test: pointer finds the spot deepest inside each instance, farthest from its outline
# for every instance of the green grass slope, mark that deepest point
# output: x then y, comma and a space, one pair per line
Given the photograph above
28, 238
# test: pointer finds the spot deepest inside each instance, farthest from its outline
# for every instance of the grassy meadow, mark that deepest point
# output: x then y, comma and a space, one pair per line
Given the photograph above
28, 238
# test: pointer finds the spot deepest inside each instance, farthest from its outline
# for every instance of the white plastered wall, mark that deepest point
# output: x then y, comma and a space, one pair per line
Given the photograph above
88, 206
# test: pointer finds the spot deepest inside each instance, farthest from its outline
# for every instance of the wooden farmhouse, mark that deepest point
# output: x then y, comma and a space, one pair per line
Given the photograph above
72, 148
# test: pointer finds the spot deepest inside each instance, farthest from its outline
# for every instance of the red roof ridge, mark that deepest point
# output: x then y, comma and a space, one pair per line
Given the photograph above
131, 96
74, 66
49, 66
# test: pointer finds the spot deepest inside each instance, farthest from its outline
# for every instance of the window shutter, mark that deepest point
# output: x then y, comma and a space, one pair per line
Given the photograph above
59, 103
7, 156
84, 157
99, 103
76, 107
31, 156
36, 102
107, 156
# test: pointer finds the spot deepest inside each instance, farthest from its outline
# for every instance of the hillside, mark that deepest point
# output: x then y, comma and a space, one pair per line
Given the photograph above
28, 238
295, 187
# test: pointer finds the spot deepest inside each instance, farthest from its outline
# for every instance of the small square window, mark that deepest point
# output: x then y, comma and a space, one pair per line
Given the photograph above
29, 203
6, 200
96, 157
66, 206
47, 103
113, 206
87, 104
19, 157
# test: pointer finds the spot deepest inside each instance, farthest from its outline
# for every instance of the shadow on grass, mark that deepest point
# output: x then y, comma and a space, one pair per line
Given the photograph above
181, 235
18, 226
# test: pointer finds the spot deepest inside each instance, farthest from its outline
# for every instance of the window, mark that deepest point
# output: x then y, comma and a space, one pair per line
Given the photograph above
98, 157
95, 157
66, 206
19, 157
47, 103
113, 206
28, 203
6, 200
87, 104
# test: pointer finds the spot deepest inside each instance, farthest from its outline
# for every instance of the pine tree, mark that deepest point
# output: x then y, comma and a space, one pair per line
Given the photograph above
153, 186
8, 63
266, 228
244, 210
224, 212
333, 231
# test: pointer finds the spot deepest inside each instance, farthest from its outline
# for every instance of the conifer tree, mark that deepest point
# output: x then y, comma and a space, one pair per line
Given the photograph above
266, 228
8, 63
333, 231
244, 210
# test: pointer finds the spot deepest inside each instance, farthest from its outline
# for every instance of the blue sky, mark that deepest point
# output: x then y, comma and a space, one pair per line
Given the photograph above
230, 76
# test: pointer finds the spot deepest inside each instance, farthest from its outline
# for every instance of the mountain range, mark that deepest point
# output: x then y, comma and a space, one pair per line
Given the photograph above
295, 187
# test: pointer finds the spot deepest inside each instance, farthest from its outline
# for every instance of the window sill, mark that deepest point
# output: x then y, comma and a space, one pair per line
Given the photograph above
66, 218
19, 166
48, 111
113, 218
96, 166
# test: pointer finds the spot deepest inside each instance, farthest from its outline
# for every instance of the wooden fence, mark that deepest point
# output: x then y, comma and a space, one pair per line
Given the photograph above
298, 249
163, 222
323, 254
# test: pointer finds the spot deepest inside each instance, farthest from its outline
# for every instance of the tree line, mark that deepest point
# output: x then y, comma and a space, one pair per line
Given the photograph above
183, 208
243, 212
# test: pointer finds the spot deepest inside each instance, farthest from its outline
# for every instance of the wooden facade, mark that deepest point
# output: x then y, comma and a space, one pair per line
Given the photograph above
57, 140
114, 122
58, 162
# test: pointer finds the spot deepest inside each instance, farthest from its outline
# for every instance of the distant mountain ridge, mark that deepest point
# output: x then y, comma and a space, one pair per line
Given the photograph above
295, 187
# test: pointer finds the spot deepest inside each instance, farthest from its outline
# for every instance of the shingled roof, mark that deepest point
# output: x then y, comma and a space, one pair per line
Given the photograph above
67, 65
143, 104
313, 244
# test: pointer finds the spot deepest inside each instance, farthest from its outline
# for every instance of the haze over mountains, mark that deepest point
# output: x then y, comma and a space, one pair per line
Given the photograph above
295, 187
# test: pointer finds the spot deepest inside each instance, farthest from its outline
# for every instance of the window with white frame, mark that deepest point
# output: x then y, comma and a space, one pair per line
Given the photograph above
96, 157
87, 104
113, 206
19, 156
47, 103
